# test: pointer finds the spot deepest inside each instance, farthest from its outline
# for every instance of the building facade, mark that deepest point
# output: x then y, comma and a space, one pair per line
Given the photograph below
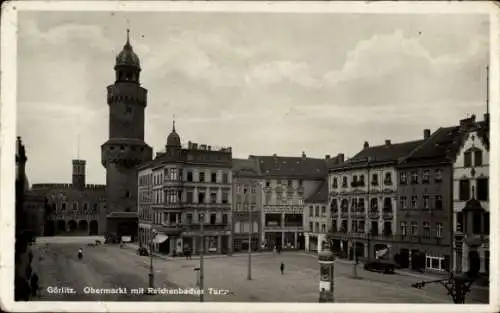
317, 219
362, 197
471, 209
287, 182
125, 148
70, 209
180, 191
247, 192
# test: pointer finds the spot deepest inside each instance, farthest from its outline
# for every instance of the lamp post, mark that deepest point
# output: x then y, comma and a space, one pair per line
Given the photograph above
151, 274
202, 220
250, 229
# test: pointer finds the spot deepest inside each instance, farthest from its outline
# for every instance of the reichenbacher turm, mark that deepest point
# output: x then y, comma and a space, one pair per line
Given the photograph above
125, 148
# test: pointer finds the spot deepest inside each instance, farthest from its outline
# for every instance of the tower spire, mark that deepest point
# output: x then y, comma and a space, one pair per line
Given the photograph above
173, 124
128, 37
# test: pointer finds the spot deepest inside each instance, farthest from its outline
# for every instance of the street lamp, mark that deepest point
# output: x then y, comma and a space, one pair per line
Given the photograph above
250, 228
202, 220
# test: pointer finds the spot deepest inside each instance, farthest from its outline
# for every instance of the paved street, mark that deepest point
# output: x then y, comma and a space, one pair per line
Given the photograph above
109, 266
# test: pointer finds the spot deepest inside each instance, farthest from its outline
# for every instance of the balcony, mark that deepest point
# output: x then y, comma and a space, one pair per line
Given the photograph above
206, 226
335, 213
373, 214
357, 184
360, 214
374, 183
387, 214
344, 214
288, 227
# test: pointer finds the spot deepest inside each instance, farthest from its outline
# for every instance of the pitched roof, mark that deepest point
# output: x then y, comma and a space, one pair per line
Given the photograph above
377, 155
292, 167
320, 195
443, 144
245, 167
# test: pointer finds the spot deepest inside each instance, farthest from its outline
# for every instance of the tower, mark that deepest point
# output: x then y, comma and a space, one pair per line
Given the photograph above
125, 148
79, 174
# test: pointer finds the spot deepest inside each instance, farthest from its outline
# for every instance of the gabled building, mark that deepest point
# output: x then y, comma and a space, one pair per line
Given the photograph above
425, 202
471, 209
362, 197
288, 181
247, 205
181, 189
317, 220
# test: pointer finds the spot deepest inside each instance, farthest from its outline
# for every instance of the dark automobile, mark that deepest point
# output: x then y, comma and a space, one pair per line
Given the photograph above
385, 266
142, 251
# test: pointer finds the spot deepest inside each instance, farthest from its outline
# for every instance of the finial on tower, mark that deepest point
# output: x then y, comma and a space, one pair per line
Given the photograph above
128, 37
173, 124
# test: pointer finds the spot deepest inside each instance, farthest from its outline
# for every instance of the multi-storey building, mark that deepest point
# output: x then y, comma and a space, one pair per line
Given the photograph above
471, 197
125, 148
70, 208
181, 189
362, 197
288, 181
317, 220
246, 204
424, 206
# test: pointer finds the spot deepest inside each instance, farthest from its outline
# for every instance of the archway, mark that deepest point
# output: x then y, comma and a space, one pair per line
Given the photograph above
50, 228
93, 227
83, 226
61, 226
474, 262
72, 226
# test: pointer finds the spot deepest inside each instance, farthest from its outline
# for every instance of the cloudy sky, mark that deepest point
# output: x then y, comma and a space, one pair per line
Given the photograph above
261, 83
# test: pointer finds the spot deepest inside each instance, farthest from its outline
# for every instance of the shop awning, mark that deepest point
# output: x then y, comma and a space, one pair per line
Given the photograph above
160, 238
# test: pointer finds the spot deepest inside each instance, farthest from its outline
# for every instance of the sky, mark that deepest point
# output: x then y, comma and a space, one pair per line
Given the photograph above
262, 83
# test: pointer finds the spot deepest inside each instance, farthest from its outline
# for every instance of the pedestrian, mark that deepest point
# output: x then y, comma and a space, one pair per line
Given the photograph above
274, 250
34, 284
282, 268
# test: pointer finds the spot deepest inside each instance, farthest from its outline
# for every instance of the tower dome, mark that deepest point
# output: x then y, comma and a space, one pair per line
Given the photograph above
173, 139
127, 56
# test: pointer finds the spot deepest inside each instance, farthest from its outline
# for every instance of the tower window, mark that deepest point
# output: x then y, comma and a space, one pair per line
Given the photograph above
128, 109
122, 148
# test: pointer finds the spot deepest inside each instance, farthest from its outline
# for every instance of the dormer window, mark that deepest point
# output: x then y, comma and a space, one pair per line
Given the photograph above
438, 175
334, 183
425, 176
414, 177
388, 179
403, 178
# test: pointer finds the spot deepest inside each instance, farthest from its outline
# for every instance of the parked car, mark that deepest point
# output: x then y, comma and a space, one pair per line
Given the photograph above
142, 251
377, 265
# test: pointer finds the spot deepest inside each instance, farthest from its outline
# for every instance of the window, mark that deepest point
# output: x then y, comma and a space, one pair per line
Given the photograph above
438, 175
374, 204
289, 183
213, 197
301, 183
404, 202
387, 228
310, 210
467, 159
202, 177
253, 189
225, 197
439, 230
323, 228
486, 217
323, 211
344, 181
478, 158
388, 179
189, 218
413, 202
333, 205
459, 222
414, 228
482, 189
213, 177
361, 180
201, 197
438, 202
268, 183
225, 178
374, 180
189, 176
343, 226
238, 206
361, 204
181, 174
426, 177
224, 219
334, 183
414, 177
387, 204
189, 197
173, 174
374, 228
403, 179
435, 263
75, 205
213, 218
464, 190
426, 202
427, 229
316, 227
361, 226
316, 211
354, 226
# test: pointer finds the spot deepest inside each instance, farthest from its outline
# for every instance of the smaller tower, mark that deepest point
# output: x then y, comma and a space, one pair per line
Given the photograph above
79, 174
173, 145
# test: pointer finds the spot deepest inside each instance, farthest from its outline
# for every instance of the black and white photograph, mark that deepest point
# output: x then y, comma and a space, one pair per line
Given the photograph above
266, 153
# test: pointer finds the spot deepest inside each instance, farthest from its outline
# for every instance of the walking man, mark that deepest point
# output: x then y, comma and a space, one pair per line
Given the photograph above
282, 268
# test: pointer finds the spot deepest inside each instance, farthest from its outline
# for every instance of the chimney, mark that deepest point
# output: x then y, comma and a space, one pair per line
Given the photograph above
387, 142
427, 133
366, 145
303, 155
340, 158
79, 174
327, 157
